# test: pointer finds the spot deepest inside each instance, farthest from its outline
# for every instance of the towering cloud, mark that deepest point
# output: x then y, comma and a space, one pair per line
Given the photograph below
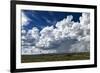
66, 36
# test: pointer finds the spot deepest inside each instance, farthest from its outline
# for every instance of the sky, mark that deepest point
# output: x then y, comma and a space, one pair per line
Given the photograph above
41, 19
46, 32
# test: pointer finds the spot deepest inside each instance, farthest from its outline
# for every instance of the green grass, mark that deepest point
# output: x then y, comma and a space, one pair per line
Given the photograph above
55, 57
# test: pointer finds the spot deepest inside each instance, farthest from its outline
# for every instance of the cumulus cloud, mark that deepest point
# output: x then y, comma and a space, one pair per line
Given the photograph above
66, 37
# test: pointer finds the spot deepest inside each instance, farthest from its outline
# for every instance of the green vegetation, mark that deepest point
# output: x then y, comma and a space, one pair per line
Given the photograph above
55, 57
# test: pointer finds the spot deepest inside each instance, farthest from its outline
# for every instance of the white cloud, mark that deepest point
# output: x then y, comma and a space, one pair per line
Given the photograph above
25, 20
34, 33
68, 36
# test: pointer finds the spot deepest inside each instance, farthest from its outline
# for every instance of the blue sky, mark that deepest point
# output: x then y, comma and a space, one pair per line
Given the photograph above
40, 19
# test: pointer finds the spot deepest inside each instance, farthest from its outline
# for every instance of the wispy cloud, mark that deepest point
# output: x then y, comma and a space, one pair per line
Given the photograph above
25, 20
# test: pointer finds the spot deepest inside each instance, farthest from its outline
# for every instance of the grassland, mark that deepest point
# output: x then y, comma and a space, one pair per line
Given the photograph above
55, 57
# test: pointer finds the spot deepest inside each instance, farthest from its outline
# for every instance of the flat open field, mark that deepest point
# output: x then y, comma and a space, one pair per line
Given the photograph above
55, 57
